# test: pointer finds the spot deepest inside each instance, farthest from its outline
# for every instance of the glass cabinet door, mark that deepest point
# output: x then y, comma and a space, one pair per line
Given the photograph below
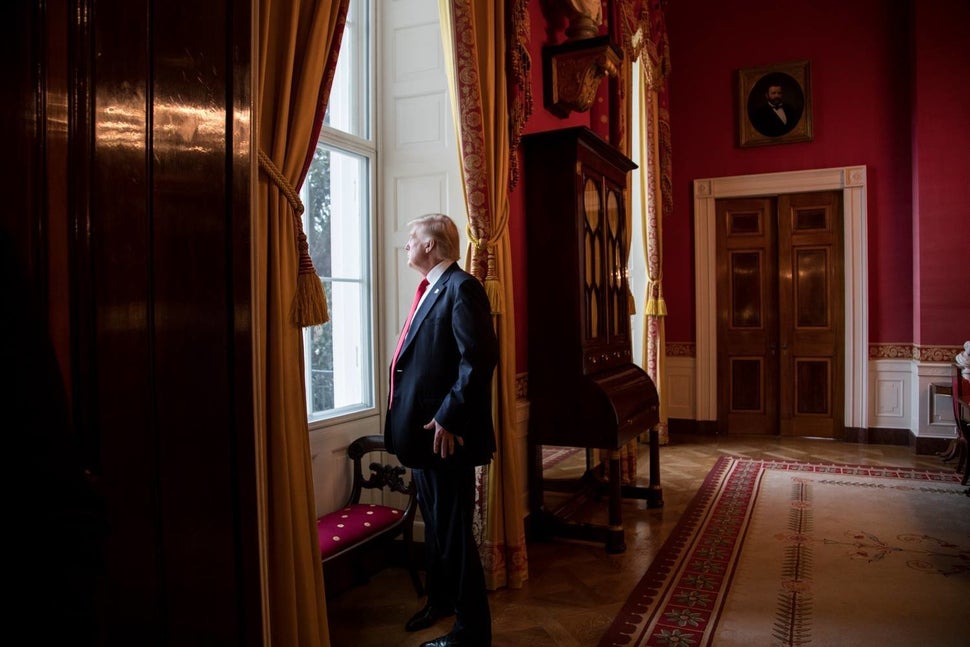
593, 275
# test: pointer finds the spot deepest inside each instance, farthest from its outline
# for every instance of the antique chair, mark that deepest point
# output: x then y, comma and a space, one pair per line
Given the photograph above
961, 416
358, 526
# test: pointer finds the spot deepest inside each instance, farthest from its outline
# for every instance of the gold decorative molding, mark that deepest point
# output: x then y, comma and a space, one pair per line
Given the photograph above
680, 349
914, 352
893, 351
573, 72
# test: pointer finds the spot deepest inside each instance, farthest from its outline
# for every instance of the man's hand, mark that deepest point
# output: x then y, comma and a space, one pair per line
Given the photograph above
444, 440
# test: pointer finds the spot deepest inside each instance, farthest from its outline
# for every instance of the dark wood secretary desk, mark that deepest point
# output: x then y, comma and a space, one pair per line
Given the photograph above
584, 389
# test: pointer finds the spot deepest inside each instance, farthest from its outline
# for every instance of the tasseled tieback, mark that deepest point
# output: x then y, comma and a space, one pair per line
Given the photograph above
309, 303
656, 305
492, 283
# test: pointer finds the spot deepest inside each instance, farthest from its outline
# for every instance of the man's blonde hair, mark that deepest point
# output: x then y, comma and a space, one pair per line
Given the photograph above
443, 231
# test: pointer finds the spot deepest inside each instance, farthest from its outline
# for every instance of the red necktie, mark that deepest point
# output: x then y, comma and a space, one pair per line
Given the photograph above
422, 286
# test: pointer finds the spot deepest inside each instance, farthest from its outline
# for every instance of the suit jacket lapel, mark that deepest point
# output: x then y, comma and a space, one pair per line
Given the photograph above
436, 290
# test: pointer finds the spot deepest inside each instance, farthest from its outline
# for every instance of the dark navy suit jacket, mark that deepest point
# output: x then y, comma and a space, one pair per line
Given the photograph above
444, 372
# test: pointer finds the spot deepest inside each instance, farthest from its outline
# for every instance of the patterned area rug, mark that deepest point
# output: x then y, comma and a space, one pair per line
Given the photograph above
784, 553
552, 455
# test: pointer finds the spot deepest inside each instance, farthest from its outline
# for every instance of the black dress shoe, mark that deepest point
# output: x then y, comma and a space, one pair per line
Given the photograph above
451, 640
425, 618
440, 641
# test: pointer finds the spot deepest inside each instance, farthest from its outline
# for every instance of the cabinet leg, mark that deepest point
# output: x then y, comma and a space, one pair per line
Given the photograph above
655, 499
615, 542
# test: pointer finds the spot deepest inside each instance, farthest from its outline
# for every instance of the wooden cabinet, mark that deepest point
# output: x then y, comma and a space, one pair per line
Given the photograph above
584, 389
578, 248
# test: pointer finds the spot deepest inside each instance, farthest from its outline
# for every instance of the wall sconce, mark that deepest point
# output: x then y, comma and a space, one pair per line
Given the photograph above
573, 70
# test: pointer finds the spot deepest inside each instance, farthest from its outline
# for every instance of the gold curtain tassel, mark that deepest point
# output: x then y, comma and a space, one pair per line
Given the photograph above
309, 307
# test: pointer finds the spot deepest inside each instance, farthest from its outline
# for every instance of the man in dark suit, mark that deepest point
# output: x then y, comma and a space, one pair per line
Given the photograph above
775, 117
439, 424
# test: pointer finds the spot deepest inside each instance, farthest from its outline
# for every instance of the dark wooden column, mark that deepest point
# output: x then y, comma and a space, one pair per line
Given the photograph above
132, 120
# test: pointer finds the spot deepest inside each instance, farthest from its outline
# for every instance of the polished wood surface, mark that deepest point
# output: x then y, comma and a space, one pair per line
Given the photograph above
811, 299
130, 130
747, 316
575, 589
780, 315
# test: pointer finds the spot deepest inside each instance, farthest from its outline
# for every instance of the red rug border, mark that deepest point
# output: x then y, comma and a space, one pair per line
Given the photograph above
667, 557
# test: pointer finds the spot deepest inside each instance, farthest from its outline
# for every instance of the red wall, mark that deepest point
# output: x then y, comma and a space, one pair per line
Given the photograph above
941, 163
860, 95
863, 56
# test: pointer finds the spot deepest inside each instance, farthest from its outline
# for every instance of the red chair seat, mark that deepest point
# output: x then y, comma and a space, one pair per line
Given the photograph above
351, 525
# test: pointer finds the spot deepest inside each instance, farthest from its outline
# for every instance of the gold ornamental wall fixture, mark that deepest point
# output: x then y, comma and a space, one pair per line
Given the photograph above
573, 71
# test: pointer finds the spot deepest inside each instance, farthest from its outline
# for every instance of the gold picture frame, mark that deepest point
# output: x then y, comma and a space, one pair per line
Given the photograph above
784, 84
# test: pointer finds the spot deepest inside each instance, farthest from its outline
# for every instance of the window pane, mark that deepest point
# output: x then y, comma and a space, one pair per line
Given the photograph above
349, 104
339, 354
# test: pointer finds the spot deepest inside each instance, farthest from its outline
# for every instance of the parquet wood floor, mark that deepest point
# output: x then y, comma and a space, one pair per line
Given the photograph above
575, 588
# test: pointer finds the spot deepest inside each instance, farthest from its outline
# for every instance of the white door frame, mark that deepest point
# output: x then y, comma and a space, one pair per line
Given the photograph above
852, 181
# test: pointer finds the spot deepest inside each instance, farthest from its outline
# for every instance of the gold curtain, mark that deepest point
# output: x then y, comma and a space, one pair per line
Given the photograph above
298, 40
644, 38
488, 116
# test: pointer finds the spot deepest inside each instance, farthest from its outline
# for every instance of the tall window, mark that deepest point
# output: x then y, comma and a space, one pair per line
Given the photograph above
338, 194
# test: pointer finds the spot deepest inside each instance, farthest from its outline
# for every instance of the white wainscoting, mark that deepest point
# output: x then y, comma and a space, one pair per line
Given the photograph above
925, 374
890, 385
900, 397
678, 388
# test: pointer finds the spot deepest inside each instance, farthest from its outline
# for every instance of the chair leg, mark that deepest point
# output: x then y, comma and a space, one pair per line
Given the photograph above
961, 455
950, 452
963, 462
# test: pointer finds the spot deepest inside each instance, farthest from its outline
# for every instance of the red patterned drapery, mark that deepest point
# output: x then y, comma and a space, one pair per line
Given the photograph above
489, 78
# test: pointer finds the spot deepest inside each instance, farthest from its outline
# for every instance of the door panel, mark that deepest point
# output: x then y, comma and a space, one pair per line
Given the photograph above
811, 307
747, 316
780, 315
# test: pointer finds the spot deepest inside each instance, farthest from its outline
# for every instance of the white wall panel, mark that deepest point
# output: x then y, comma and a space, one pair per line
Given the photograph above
889, 398
419, 120
678, 388
419, 194
417, 52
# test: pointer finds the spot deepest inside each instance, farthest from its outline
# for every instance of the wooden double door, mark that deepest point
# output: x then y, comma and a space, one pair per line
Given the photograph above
780, 315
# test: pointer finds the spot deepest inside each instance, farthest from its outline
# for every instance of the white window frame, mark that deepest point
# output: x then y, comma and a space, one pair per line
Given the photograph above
364, 147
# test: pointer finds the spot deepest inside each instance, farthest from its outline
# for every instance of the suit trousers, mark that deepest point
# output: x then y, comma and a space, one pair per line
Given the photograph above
455, 579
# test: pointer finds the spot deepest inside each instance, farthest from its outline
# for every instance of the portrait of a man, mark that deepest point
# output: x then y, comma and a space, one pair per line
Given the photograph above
775, 106
773, 110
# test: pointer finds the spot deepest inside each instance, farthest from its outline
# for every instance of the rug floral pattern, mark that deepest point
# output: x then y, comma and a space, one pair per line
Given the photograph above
783, 553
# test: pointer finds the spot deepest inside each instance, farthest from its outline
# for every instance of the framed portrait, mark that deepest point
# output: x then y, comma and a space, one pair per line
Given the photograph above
774, 104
